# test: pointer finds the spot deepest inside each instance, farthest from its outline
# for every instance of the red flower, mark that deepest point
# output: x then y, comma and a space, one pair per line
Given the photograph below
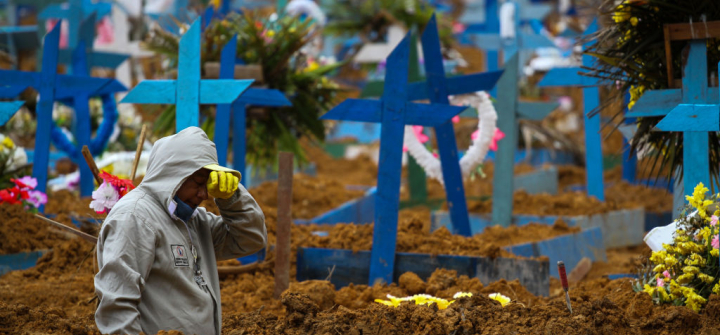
122, 185
7, 195
19, 184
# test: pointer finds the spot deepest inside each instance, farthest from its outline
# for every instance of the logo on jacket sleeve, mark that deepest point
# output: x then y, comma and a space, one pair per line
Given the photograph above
180, 255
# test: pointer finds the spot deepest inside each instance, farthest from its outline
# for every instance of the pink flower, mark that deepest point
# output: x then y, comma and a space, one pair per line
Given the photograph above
37, 198
475, 134
435, 154
458, 28
405, 149
499, 135
715, 242
419, 134
29, 181
105, 31
660, 282
666, 274
713, 220
104, 198
456, 119
50, 24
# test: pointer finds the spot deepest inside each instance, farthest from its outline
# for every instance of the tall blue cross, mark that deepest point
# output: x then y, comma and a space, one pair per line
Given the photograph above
51, 87
8, 109
629, 163
510, 110
188, 92
693, 110
394, 111
437, 89
570, 76
82, 58
251, 97
75, 13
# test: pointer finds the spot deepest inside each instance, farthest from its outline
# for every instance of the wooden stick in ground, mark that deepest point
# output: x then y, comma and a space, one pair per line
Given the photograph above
138, 152
91, 163
84, 236
284, 220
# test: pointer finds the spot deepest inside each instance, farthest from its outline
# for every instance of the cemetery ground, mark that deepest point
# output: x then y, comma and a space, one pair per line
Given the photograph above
56, 296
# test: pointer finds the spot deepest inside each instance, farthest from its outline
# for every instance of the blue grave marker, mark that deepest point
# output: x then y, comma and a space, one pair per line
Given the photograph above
629, 163
188, 92
693, 110
51, 87
251, 97
571, 76
394, 112
75, 13
510, 110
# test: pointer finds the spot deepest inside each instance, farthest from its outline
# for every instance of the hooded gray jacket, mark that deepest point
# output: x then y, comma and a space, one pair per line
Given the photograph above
146, 281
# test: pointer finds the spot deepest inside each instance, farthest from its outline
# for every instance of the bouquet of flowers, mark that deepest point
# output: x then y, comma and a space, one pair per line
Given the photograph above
686, 271
109, 192
23, 193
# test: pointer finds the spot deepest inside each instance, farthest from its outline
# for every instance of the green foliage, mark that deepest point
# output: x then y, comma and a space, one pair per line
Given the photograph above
631, 51
277, 47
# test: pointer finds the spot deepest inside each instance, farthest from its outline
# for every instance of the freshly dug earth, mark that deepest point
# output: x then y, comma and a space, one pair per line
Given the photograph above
358, 171
311, 196
20, 231
65, 202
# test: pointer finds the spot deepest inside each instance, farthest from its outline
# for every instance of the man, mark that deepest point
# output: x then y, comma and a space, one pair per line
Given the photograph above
157, 249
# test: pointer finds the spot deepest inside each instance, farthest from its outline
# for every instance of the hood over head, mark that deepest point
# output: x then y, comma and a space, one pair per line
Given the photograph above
175, 158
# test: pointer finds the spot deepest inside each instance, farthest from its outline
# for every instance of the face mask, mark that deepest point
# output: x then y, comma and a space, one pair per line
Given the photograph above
183, 210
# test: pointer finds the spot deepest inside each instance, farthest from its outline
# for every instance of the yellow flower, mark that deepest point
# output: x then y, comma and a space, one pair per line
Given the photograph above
716, 289
500, 298
659, 268
634, 21
292, 30
693, 300
685, 278
715, 252
635, 92
670, 261
706, 278
691, 270
462, 294
658, 256
312, 66
270, 33
8, 143
621, 14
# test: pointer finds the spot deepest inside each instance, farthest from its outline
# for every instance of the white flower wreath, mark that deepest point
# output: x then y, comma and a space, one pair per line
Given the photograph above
487, 122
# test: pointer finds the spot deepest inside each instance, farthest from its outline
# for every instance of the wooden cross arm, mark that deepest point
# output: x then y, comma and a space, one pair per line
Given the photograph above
215, 91
692, 117
534, 41
263, 97
535, 111
359, 110
457, 85
95, 58
8, 109
57, 11
655, 103
9, 92
569, 76
491, 41
66, 86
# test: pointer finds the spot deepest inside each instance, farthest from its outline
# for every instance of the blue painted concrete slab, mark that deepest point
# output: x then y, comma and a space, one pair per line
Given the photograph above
619, 228
354, 267
19, 261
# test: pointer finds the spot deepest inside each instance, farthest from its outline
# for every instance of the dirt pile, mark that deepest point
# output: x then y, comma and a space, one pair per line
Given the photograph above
20, 231
66, 202
569, 204
358, 171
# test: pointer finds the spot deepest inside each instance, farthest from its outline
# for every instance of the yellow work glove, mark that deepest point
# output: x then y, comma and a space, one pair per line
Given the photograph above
222, 184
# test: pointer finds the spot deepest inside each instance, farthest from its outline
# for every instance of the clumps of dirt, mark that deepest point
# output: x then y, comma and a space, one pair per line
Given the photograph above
357, 171
567, 204
20, 231
66, 202
21, 319
311, 196
620, 260
654, 200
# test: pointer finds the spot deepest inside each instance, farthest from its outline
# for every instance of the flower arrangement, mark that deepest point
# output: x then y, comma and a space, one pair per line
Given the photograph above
426, 299
109, 192
23, 193
276, 44
686, 272
631, 51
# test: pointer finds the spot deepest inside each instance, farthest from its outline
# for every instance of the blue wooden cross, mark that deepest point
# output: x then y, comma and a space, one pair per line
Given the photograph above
188, 91
693, 110
629, 166
251, 97
178, 12
82, 59
8, 109
509, 111
394, 111
51, 87
75, 13
86, 36
571, 76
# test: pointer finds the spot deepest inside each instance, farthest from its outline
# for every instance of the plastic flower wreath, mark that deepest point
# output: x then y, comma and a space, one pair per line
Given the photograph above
425, 299
24, 193
686, 271
109, 192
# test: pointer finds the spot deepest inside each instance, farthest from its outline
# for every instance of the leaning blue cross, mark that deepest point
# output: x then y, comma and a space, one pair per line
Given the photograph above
75, 13
51, 87
571, 76
81, 59
8, 109
251, 97
693, 110
188, 91
394, 111
510, 110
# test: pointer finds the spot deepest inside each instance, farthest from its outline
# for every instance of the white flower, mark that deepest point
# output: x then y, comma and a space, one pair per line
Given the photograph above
104, 198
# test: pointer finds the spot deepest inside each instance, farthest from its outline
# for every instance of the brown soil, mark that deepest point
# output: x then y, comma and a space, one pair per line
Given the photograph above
568, 204
20, 231
66, 202
358, 171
